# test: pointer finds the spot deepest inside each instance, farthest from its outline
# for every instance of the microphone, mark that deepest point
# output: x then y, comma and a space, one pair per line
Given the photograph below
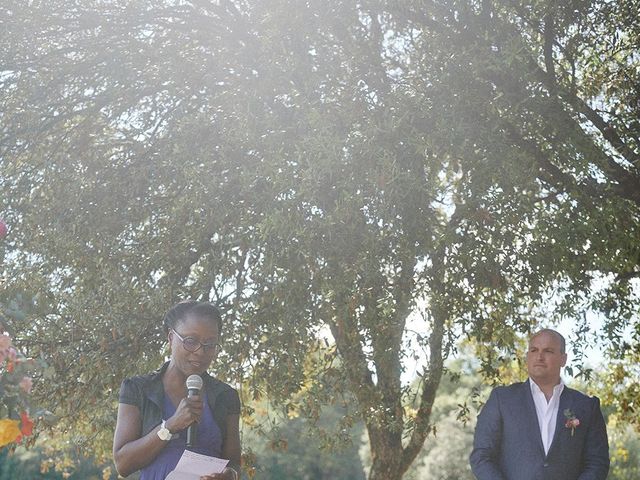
194, 384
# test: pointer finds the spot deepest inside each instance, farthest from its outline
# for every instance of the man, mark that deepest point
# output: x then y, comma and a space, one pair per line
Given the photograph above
541, 429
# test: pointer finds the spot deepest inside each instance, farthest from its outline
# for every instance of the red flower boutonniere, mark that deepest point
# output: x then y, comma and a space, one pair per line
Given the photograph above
572, 421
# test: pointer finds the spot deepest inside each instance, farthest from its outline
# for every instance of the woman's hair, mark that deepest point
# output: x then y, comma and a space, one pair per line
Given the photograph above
180, 310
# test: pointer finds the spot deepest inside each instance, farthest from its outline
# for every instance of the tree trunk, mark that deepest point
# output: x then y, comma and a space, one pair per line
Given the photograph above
386, 455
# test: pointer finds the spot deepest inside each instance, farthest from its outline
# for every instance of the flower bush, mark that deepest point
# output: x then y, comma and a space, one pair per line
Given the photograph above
15, 382
15, 387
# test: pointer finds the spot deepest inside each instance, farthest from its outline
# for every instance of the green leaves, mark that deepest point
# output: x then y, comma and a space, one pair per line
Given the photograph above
319, 169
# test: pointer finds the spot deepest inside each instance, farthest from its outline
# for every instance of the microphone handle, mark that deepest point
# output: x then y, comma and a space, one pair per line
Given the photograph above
193, 428
191, 434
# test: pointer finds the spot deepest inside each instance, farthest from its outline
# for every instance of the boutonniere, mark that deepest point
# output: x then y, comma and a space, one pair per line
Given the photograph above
572, 421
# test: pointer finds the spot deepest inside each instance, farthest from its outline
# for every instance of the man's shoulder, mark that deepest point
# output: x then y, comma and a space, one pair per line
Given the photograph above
510, 393
511, 388
578, 396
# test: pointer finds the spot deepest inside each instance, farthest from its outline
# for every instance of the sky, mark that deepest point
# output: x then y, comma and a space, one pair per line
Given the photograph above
593, 354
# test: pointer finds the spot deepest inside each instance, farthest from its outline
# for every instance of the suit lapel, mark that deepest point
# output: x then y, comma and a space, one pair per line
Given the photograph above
565, 402
532, 415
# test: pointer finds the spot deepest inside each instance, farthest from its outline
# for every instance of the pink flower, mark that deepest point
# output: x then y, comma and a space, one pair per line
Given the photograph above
25, 384
572, 421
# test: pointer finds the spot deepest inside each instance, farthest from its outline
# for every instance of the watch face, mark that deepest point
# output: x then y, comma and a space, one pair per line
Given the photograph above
164, 434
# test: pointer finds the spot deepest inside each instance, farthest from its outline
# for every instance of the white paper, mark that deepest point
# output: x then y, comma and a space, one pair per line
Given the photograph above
175, 475
191, 465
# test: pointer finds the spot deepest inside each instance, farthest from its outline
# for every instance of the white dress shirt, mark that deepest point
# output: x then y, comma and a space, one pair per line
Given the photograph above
547, 411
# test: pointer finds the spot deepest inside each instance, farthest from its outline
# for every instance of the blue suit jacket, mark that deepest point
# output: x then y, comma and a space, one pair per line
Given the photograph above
507, 443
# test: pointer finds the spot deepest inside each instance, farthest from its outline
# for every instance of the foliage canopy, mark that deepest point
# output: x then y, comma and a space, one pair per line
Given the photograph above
314, 167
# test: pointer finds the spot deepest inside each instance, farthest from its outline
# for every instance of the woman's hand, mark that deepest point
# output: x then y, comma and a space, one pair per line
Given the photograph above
189, 411
227, 474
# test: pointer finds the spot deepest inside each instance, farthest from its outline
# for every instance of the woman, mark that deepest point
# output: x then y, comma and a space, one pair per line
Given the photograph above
155, 411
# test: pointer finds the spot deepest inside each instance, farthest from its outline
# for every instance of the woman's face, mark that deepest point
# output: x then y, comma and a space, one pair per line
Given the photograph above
199, 334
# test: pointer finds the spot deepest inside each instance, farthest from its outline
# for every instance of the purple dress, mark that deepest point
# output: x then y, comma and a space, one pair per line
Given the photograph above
208, 442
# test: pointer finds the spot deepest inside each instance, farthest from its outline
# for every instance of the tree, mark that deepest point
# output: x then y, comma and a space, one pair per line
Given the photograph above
314, 166
446, 453
293, 448
625, 453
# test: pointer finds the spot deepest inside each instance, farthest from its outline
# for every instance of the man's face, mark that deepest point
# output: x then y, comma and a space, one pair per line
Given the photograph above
545, 358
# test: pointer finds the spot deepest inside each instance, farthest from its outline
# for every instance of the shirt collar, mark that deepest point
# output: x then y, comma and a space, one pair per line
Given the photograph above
557, 390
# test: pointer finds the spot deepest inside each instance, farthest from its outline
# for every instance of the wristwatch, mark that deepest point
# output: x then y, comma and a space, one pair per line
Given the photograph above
164, 434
